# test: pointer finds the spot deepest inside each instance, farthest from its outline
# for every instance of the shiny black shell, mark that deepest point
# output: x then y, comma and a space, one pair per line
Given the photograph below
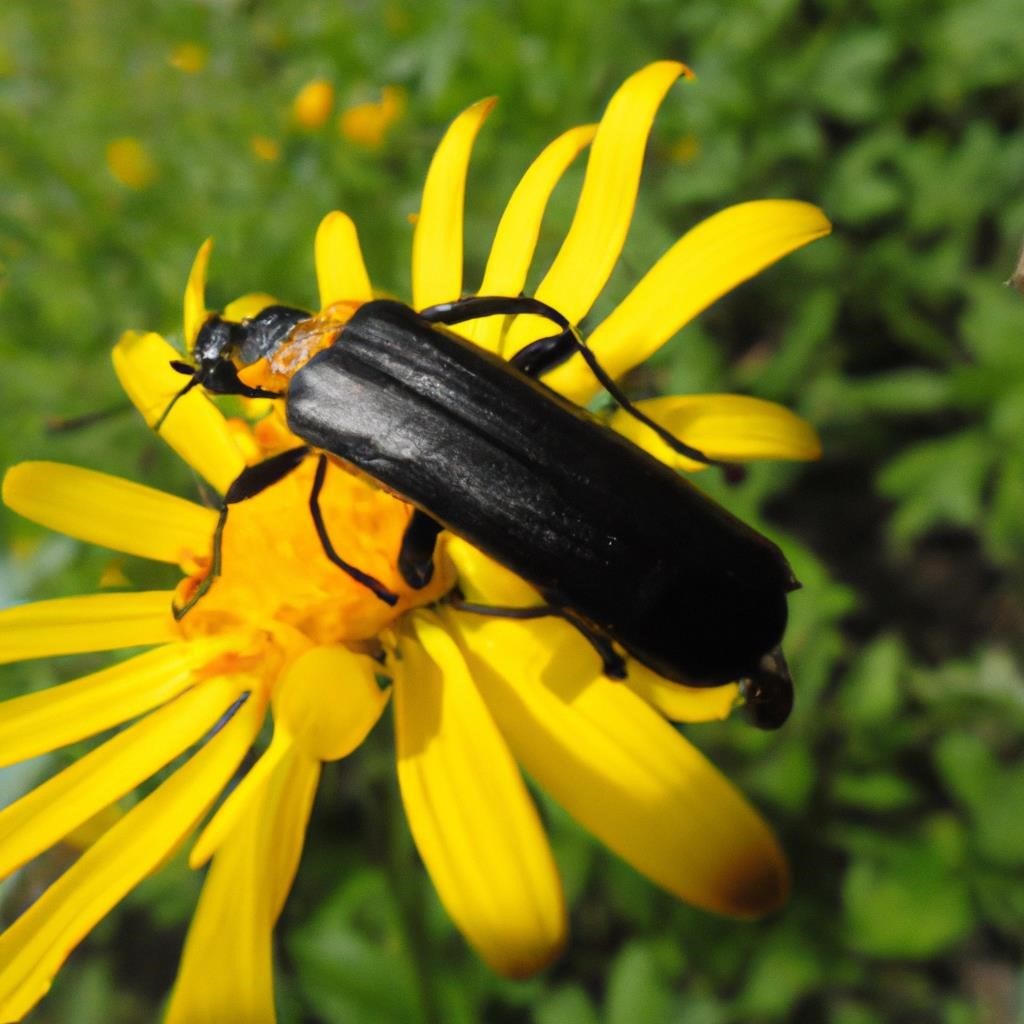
597, 525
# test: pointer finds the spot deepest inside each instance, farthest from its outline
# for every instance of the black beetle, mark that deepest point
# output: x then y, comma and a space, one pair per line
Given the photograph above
616, 542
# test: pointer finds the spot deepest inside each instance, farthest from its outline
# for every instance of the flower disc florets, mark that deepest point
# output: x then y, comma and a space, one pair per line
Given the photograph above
275, 577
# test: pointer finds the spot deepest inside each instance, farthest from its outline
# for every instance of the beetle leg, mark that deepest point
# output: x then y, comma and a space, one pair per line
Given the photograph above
613, 664
416, 556
368, 581
543, 355
250, 482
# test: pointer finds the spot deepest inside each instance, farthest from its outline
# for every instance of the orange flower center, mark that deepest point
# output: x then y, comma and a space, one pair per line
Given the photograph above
276, 578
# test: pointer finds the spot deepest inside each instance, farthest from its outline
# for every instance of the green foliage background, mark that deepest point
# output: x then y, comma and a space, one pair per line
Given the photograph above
897, 787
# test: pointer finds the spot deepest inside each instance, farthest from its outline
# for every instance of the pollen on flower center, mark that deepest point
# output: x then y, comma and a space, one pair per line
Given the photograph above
274, 572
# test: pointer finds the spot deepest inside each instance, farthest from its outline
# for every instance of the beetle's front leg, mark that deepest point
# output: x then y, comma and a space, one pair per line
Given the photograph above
250, 482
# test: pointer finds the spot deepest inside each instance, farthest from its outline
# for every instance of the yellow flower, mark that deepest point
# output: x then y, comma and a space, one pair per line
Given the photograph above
283, 632
366, 124
313, 104
131, 163
189, 58
263, 147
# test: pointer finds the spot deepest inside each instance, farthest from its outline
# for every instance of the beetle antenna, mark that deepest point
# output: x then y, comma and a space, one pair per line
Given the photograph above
189, 385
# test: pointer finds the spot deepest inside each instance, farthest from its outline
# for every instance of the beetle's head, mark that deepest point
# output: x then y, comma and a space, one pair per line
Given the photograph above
223, 347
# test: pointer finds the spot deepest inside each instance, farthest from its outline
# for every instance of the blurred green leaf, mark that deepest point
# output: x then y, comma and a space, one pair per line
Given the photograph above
352, 958
848, 84
910, 904
785, 777
636, 988
937, 482
876, 791
783, 971
872, 693
993, 794
566, 1005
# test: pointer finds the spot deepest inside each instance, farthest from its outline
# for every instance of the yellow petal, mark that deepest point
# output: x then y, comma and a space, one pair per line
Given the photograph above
516, 238
46, 814
437, 239
226, 972
340, 270
735, 428
52, 718
709, 260
240, 800
486, 581
470, 814
248, 305
97, 622
682, 703
106, 510
34, 947
594, 241
328, 700
195, 428
195, 311
620, 769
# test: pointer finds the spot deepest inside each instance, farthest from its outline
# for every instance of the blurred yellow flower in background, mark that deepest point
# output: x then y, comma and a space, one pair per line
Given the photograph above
313, 104
131, 163
367, 124
189, 58
263, 147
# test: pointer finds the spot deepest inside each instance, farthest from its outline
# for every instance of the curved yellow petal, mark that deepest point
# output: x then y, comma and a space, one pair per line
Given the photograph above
33, 949
328, 700
195, 428
437, 239
248, 305
240, 800
605, 209
620, 769
484, 580
106, 510
195, 311
49, 719
97, 622
226, 971
516, 238
469, 811
50, 811
340, 270
681, 703
709, 260
735, 428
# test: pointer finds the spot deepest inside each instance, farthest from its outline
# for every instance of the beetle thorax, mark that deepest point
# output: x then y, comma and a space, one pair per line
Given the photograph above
303, 341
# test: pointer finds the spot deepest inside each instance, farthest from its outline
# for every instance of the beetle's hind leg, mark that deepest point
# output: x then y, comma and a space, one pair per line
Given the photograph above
545, 354
416, 556
613, 664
